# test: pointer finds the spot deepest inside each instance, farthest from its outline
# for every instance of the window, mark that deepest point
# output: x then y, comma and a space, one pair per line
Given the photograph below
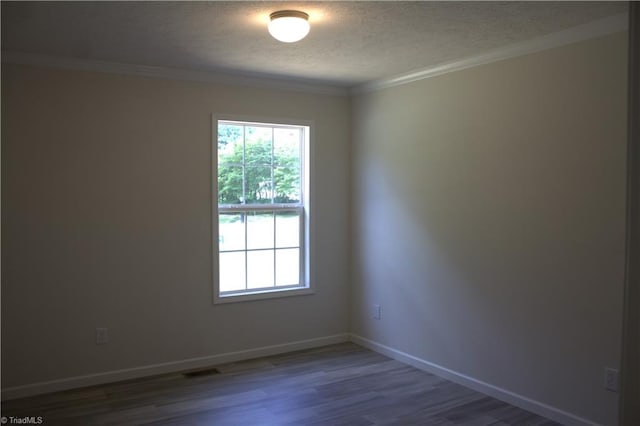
262, 223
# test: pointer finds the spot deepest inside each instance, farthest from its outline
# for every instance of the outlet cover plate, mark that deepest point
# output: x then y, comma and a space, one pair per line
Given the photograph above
611, 379
102, 336
376, 312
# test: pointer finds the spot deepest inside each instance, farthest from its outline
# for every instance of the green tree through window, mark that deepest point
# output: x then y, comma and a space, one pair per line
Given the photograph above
256, 166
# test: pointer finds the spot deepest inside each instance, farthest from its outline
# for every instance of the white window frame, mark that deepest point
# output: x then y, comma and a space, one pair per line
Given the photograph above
306, 245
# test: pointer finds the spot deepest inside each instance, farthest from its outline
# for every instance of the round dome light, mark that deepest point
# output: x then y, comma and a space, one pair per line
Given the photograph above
289, 26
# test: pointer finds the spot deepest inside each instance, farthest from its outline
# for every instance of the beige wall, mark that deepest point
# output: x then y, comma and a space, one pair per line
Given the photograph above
488, 221
487, 218
106, 223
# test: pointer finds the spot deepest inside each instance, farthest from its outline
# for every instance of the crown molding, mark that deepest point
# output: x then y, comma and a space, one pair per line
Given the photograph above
171, 73
594, 29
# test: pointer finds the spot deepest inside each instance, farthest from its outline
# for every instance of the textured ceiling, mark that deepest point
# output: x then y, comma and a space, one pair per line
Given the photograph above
350, 42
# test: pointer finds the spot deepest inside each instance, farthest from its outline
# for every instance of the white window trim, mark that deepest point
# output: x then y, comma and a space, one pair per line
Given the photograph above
308, 194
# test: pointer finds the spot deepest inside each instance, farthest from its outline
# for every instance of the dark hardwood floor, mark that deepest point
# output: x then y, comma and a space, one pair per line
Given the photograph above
341, 384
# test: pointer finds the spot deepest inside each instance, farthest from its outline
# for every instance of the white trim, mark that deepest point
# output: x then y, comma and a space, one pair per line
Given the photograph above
307, 281
512, 398
630, 391
598, 28
275, 293
266, 82
167, 367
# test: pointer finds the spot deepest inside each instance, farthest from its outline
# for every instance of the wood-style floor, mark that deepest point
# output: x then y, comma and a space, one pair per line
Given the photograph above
341, 384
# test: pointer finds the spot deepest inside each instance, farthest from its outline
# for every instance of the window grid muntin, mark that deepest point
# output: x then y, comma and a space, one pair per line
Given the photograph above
272, 165
301, 254
299, 207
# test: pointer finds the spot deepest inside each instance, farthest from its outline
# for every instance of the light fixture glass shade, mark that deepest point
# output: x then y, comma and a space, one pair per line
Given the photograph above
289, 26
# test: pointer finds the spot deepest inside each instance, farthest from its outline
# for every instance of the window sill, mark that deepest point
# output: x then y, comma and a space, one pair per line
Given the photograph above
262, 295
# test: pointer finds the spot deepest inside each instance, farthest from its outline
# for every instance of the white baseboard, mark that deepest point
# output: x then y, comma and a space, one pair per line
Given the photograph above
200, 362
512, 398
166, 367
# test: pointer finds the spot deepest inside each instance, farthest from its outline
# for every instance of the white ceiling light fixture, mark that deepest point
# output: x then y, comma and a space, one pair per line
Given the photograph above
289, 26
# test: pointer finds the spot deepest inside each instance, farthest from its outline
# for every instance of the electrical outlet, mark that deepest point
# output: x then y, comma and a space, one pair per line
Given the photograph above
611, 379
376, 312
102, 336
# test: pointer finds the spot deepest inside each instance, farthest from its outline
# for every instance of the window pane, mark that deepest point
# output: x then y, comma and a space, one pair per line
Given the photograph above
287, 185
230, 185
258, 146
287, 267
232, 271
230, 144
258, 189
286, 147
287, 229
231, 231
259, 230
259, 244
260, 269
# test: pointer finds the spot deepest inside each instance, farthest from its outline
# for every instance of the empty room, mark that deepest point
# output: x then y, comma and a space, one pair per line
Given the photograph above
320, 213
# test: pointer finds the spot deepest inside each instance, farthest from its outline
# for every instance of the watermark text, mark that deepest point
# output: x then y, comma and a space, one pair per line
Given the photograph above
26, 420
